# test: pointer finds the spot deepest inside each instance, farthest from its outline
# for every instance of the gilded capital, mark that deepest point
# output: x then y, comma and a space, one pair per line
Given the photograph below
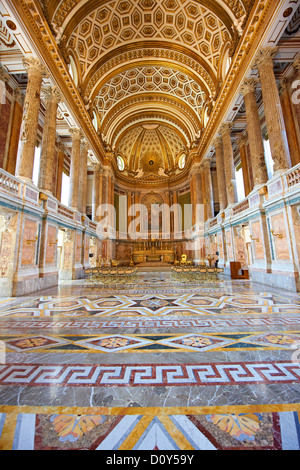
34, 65
226, 128
196, 168
84, 146
296, 64
205, 164
217, 142
4, 76
249, 86
242, 140
52, 94
75, 133
18, 96
265, 57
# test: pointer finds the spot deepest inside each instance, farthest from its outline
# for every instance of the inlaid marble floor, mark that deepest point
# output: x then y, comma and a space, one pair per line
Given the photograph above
151, 362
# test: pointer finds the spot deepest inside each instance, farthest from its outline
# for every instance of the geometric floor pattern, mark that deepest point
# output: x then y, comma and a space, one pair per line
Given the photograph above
100, 429
152, 365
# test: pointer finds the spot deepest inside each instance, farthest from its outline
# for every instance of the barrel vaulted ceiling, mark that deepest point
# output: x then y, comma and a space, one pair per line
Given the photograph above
148, 62
153, 80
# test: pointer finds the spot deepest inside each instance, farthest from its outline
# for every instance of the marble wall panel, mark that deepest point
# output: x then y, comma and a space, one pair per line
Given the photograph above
51, 245
259, 252
86, 249
280, 237
29, 242
240, 248
220, 245
7, 245
78, 247
229, 246
123, 252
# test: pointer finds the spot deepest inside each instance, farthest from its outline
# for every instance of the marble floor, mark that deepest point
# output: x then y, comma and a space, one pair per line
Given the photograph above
155, 361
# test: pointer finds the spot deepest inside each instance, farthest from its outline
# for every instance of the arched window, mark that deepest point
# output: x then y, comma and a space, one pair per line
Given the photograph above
65, 189
120, 163
181, 161
226, 64
73, 71
95, 121
205, 118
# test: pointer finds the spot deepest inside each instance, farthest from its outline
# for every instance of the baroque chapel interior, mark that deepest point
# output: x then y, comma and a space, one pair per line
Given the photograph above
165, 104
149, 136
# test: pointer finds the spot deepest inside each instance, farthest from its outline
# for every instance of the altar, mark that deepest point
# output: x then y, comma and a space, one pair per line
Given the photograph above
153, 252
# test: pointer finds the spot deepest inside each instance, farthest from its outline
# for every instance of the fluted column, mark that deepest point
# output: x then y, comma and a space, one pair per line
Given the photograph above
259, 169
36, 72
74, 169
209, 199
229, 164
220, 173
290, 121
96, 195
11, 161
48, 164
244, 162
60, 167
105, 187
175, 219
196, 194
129, 204
100, 183
83, 176
273, 112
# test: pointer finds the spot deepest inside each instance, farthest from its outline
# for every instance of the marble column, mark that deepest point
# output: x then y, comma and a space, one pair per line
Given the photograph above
11, 161
220, 173
100, 183
36, 72
48, 164
175, 219
229, 164
258, 164
75, 168
273, 112
197, 194
257, 155
105, 187
290, 122
60, 167
209, 199
244, 162
96, 193
83, 176
129, 204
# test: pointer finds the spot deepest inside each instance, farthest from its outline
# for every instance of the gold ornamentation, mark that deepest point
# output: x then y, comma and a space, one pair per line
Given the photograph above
278, 235
32, 241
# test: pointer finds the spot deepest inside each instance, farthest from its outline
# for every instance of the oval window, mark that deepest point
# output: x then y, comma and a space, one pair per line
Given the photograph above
181, 162
120, 163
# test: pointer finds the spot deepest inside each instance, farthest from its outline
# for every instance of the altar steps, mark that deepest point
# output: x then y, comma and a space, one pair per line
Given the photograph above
153, 264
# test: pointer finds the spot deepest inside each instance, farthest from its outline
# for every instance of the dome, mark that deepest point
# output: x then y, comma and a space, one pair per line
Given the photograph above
151, 150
